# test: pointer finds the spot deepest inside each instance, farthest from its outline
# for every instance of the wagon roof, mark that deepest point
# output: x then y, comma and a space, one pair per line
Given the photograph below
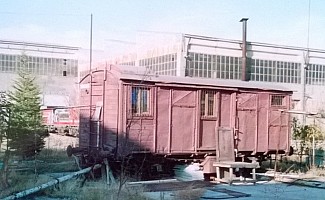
143, 74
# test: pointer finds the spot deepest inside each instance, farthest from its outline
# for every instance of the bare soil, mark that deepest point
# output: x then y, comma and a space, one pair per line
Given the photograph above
55, 141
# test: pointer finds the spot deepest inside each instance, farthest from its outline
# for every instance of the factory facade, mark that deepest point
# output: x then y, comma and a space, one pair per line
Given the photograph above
55, 68
299, 69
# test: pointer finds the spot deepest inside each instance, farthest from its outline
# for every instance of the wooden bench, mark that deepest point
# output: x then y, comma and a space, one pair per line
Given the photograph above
230, 166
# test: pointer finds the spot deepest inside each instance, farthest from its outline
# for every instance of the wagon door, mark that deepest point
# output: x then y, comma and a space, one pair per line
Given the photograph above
208, 120
183, 120
246, 121
175, 120
279, 124
225, 132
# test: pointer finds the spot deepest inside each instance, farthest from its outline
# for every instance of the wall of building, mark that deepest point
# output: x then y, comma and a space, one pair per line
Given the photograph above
299, 69
55, 68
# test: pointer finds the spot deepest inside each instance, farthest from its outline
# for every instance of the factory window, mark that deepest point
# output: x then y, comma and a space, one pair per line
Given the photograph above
140, 100
275, 71
163, 65
315, 74
213, 66
208, 103
277, 100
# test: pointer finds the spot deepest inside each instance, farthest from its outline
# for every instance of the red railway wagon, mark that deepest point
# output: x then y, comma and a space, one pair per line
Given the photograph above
61, 120
130, 111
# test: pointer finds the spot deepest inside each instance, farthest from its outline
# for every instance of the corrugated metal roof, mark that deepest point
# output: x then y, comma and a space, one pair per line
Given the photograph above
142, 73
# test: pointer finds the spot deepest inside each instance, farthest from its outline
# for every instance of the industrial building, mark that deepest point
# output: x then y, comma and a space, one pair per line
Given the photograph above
54, 66
299, 69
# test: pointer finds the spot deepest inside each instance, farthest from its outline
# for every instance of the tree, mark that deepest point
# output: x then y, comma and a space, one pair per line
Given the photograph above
305, 134
4, 130
21, 120
3, 117
26, 135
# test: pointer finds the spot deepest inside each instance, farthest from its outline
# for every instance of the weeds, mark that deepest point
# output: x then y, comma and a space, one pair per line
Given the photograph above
189, 194
23, 181
94, 190
316, 171
53, 155
25, 174
286, 166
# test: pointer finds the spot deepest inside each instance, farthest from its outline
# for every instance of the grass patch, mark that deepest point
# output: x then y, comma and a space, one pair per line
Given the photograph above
93, 190
189, 193
54, 160
23, 181
286, 166
316, 171
22, 172
53, 155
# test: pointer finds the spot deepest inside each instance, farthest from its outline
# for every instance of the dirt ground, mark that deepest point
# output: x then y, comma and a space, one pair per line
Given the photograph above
55, 141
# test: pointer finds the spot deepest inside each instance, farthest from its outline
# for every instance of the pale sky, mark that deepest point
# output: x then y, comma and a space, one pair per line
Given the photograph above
67, 22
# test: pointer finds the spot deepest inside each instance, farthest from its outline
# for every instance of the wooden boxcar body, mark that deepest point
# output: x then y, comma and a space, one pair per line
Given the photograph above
134, 111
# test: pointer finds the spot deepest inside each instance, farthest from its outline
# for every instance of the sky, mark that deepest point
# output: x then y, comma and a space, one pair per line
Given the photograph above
118, 23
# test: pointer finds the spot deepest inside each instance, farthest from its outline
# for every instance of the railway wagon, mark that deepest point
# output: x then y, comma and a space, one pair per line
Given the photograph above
61, 120
132, 111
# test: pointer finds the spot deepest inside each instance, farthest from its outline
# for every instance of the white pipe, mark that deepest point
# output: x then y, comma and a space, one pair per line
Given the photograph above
51, 183
97, 132
153, 181
298, 112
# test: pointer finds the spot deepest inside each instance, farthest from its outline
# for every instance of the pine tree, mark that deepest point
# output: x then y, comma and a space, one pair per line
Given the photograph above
3, 117
26, 136
4, 130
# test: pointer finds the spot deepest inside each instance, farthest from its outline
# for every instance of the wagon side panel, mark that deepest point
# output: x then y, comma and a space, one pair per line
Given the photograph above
183, 120
279, 125
110, 116
140, 135
225, 110
207, 139
84, 113
263, 120
247, 121
138, 118
163, 119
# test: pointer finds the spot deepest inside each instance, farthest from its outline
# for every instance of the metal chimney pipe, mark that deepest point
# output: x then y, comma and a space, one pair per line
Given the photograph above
244, 50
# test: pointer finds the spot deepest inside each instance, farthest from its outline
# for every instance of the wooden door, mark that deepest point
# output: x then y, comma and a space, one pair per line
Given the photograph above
278, 131
247, 121
183, 120
182, 129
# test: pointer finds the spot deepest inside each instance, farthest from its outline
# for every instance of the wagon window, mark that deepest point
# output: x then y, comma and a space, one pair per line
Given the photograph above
140, 100
208, 103
277, 100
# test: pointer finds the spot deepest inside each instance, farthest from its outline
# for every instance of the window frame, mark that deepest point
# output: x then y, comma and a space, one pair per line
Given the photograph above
138, 110
204, 95
276, 98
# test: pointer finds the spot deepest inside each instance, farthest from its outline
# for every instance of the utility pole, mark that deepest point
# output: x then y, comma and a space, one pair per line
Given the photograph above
306, 63
304, 96
91, 42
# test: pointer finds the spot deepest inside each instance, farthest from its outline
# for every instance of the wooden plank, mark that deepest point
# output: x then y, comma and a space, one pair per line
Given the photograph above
236, 164
225, 150
170, 120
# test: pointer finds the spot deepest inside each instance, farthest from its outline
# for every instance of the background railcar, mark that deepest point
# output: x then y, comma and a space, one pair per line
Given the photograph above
61, 120
129, 111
